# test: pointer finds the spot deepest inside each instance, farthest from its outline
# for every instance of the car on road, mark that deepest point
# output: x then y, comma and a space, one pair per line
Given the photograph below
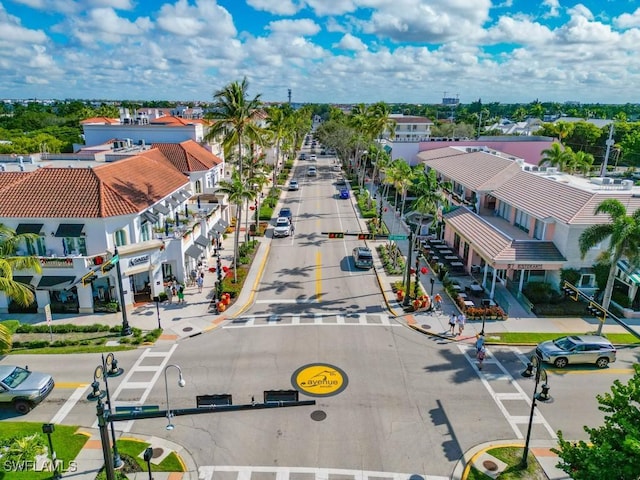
337, 167
341, 180
293, 185
312, 172
303, 156
313, 157
575, 349
286, 213
283, 227
22, 388
344, 193
362, 257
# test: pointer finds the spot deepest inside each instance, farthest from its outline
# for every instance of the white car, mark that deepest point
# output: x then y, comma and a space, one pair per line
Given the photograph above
313, 158
311, 171
293, 185
283, 227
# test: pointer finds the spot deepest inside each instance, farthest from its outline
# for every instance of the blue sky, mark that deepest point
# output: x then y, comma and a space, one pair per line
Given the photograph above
328, 51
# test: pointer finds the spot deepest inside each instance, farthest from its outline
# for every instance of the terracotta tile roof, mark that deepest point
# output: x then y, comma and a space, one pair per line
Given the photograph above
100, 121
479, 171
188, 156
8, 178
585, 215
124, 187
497, 246
410, 119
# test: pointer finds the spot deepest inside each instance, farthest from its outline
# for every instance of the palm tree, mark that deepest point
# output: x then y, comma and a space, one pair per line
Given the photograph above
238, 192
429, 195
279, 125
556, 156
583, 162
624, 241
235, 119
9, 262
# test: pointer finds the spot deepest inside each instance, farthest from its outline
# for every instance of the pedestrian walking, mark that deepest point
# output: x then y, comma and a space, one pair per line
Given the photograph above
480, 354
169, 291
479, 342
452, 323
181, 294
461, 320
194, 276
437, 302
200, 282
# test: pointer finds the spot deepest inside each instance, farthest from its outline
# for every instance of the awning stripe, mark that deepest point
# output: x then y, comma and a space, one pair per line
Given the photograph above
150, 217
202, 240
194, 251
161, 208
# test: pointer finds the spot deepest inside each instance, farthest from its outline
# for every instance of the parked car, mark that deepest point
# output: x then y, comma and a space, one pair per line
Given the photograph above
293, 185
283, 227
575, 349
22, 388
362, 257
341, 180
286, 212
344, 193
312, 172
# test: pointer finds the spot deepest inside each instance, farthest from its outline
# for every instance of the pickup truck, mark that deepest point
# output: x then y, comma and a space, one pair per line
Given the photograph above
22, 388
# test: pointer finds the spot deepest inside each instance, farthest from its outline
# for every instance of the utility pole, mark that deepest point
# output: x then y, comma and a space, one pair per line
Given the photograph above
608, 143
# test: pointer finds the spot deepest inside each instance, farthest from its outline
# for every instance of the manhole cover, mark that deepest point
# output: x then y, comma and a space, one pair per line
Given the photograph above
318, 415
157, 452
187, 329
490, 465
425, 326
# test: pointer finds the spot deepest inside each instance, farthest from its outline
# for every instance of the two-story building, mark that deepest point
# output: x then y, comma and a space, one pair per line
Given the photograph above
142, 208
517, 223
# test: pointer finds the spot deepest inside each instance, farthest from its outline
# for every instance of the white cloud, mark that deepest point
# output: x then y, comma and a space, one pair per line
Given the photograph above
554, 7
304, 27
332, 7
518, 31
279, 7
628, 20
204, 18
349, 42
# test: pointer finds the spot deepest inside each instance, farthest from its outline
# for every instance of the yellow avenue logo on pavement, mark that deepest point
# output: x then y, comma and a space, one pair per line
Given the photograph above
319, 380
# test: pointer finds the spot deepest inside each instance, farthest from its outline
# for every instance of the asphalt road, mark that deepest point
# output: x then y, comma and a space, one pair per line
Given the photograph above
412, 403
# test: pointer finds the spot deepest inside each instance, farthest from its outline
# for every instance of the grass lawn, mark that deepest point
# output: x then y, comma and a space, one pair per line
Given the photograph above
134, 448
528, 338
66, 443
512, 457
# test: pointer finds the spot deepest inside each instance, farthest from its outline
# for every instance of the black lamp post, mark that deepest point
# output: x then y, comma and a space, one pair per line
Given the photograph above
432, 280
126, 328
48, 429
407, 297
415, 287
540, 374
156, 299
108, 368
148, 455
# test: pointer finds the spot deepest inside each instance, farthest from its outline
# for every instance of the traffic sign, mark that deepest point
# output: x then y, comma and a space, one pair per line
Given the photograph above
137, 409
397, 237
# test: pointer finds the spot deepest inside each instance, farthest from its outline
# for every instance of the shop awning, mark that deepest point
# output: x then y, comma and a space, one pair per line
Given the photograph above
202, 240
184, 195
161, 208
150, 217
137, 269
629, 274
70, 230
26, 279
55, 282
194, 251
220, 226
173, 200
28, 228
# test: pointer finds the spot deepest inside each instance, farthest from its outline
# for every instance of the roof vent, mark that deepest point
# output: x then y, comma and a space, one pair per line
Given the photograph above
627, 184
597, 180
607, 181
552, 169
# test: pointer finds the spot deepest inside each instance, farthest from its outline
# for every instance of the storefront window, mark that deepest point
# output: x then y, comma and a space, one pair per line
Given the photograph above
74, 246
64, 301
145, 231
36, 247
120, 238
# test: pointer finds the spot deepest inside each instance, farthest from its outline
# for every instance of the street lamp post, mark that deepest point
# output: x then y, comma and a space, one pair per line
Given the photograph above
48, 429
156, 299
148, 455
407, 297
108, 368
181, 383
539, 374
126, 328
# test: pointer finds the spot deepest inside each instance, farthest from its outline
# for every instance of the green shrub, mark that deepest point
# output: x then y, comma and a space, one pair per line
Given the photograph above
231, 287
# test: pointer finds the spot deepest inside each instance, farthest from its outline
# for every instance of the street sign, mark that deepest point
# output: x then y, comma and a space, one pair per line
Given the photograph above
115, 259
47, 313
397, 237
138, 409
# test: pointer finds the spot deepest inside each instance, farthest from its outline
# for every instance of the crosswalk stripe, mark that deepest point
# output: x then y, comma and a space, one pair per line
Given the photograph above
206, 472
323, 319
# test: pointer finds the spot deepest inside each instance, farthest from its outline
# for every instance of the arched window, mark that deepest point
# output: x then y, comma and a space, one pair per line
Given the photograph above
120, 238
198, 186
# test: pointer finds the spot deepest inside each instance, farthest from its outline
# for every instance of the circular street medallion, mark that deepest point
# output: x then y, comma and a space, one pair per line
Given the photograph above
319, 380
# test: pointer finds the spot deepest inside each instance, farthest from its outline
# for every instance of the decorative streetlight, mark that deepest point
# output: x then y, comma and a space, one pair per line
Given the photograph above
108, 368
540, 374
181, 383
148, 455
126, 328
48, 429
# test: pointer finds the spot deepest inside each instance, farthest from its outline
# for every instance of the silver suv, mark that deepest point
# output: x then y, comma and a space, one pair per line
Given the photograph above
577, 349
23, 388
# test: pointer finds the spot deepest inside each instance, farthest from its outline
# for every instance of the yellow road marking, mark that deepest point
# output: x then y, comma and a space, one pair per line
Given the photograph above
318, 276
70, 385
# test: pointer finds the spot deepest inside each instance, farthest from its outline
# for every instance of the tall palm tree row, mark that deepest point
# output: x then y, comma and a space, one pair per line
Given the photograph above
623, 233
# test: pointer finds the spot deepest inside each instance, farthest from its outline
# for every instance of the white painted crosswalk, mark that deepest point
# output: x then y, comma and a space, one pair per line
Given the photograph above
324, 319
213, 472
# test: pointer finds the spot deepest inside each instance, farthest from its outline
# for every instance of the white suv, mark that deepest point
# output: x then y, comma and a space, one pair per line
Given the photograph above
282, 228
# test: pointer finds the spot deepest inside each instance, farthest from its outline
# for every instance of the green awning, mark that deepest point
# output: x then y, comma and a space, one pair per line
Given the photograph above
387, 148
633, 275
55, 282
28, 228
70, 230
